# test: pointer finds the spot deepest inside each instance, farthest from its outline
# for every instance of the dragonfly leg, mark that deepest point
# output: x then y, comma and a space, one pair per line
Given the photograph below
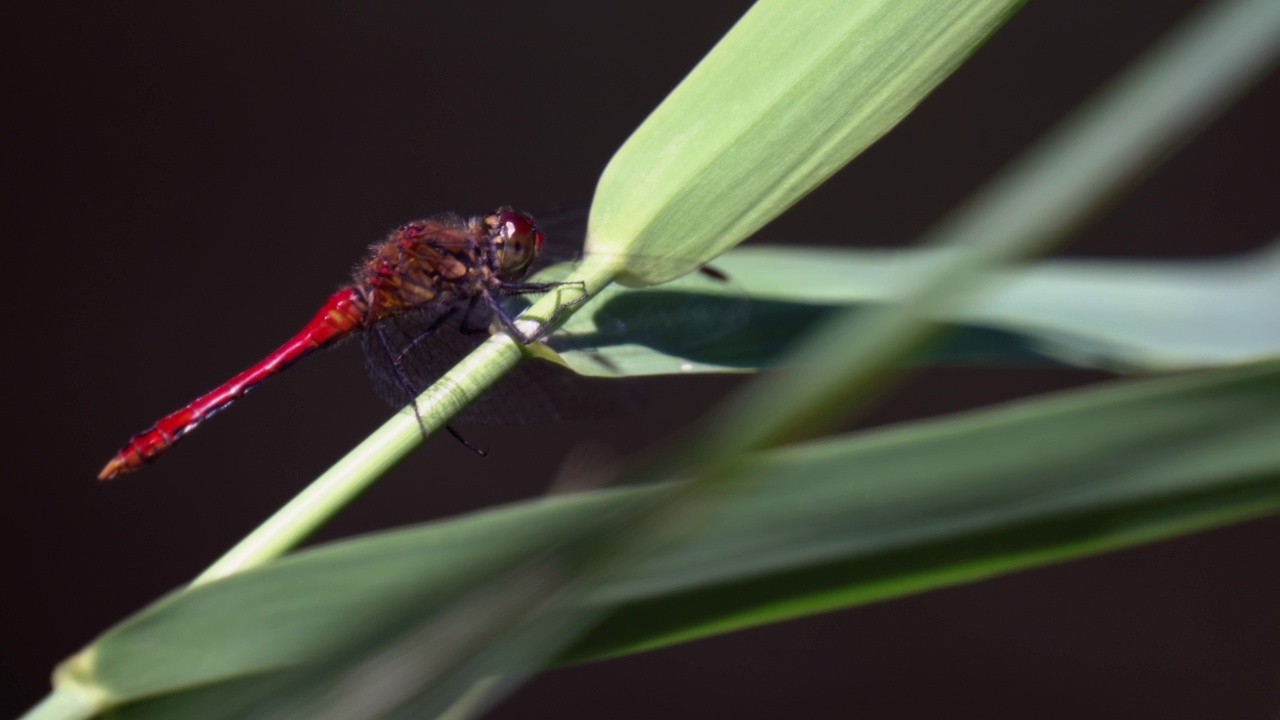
421, 337
523, 288
402, 378
397, 363
507, 322
458, 436
527, 288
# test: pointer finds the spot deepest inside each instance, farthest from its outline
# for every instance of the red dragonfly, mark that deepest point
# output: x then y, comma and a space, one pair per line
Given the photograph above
426, 274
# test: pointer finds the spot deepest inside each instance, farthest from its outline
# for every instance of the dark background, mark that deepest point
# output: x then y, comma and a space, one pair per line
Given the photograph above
187, 181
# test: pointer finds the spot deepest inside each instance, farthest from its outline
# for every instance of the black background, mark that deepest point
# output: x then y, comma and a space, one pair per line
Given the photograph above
187, 181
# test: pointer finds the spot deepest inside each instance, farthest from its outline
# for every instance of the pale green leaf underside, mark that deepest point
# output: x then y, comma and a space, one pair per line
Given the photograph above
1120, 315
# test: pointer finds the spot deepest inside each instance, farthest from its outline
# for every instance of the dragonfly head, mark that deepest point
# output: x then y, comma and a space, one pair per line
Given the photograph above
518, 241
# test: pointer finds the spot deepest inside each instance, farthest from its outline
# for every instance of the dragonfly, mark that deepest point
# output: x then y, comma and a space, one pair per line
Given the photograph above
446, 271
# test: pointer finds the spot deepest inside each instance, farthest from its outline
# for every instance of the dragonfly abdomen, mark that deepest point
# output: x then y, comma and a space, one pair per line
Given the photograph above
340, 316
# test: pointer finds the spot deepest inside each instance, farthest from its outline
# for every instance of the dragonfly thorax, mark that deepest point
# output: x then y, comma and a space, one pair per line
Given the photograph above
447, 259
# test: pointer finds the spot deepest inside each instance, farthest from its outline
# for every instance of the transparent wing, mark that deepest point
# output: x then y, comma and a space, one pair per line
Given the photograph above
405, 354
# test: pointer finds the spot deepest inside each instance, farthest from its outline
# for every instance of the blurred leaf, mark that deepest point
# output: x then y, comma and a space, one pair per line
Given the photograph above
1167, 95
1119, 315
812, 527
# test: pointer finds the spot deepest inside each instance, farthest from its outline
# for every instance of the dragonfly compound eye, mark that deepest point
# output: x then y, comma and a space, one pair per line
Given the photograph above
521, 241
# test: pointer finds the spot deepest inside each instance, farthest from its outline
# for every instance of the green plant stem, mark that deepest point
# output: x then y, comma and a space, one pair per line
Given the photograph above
361, 467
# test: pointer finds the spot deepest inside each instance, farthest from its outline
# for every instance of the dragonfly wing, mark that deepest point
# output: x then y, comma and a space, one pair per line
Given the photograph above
542, 391
406, 353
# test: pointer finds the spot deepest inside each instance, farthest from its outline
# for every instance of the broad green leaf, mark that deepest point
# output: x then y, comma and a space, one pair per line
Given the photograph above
1118, 315
789, 96
811, 528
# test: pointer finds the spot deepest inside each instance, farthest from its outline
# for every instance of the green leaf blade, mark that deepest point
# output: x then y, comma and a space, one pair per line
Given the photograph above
786, 99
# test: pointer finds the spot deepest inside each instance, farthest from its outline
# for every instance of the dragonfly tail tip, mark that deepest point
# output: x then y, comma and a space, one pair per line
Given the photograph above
117, 467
